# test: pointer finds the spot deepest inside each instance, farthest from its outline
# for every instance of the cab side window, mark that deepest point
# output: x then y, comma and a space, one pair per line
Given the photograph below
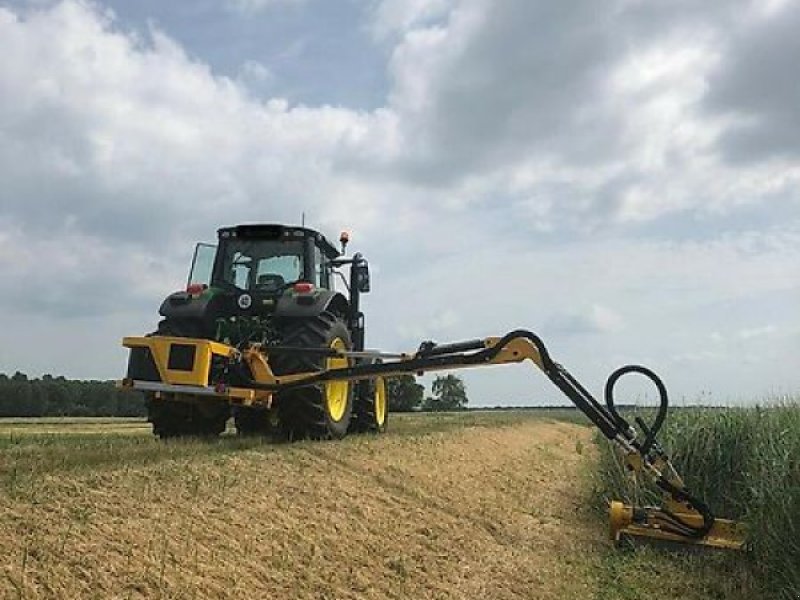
202, 264
321, 276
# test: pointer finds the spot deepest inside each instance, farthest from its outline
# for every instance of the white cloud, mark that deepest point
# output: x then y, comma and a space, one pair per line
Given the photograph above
130, 128
392, 17
602, 112
534, 166
756, 332
254, 72
254, 6
594, 319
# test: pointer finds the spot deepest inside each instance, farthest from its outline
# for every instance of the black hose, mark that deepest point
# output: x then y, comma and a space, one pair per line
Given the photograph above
651, 431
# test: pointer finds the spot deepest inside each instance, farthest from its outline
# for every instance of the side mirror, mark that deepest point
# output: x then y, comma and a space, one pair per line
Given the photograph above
361, 276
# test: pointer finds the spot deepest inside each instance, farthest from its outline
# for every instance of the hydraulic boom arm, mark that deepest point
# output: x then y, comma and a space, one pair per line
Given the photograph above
682, 517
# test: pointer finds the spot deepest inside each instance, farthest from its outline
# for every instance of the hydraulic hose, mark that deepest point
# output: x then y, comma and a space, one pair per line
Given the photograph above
650, 431
671, 522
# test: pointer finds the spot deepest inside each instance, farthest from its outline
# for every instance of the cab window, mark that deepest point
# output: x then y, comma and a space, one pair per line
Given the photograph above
321, 272
263, 265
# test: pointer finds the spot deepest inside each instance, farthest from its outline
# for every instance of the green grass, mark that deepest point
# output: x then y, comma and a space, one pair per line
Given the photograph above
648, 573
745, 463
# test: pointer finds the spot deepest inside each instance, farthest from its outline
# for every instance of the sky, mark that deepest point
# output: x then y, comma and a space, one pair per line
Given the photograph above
622, 178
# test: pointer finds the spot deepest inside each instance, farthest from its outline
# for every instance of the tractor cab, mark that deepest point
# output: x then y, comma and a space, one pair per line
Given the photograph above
256, 278
263, 259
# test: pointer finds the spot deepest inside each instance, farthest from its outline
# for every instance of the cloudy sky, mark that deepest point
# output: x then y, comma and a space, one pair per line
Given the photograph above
622, 177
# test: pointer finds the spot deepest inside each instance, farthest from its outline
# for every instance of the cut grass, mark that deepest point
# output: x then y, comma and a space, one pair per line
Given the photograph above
32, 448
441, 508
453, 505
745, 463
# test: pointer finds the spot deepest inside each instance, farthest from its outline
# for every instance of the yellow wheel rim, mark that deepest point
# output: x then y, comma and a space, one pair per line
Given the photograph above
337, 392
380, 401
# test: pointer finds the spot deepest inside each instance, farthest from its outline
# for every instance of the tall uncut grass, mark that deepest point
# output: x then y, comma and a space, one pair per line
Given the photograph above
745, 462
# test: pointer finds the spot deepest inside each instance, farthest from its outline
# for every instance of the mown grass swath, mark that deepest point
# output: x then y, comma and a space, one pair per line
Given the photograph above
103, 509
746, 463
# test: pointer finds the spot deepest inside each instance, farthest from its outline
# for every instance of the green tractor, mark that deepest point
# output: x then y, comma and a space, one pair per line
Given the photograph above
270, 286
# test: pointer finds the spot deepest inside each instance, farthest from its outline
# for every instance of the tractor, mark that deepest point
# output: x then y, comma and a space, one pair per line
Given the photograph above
260, 334
268, 286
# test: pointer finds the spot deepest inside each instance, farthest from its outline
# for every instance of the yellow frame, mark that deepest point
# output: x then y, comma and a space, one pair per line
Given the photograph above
159, 347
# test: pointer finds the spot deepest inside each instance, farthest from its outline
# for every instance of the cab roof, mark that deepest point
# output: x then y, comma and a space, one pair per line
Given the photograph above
274, 231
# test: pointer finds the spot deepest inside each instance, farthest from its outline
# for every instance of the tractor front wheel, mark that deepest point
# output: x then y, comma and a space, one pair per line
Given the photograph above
370, 410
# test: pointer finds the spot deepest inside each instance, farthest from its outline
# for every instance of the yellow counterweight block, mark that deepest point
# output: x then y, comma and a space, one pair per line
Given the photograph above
182, 366
179, 361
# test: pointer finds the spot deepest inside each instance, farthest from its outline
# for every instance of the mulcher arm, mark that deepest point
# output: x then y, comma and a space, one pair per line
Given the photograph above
681, 518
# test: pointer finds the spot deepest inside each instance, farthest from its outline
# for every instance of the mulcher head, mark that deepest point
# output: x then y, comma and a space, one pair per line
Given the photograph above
662, 526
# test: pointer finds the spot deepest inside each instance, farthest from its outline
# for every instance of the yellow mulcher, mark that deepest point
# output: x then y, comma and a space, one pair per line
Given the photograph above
261, 335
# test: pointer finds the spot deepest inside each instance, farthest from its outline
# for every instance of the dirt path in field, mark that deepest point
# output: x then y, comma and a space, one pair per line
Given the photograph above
483, 512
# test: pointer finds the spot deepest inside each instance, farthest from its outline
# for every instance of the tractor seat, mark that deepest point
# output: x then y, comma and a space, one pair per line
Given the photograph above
270, 281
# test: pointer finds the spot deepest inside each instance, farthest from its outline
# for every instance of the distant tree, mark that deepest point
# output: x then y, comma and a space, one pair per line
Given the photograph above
404, 393
21, 396
449, 393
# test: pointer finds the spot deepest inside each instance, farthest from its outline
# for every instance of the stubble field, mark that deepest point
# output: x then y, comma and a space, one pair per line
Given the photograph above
479, 505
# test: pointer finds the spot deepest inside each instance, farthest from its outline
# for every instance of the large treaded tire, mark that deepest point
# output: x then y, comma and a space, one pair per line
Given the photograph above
172, 418
308, 412
251, 421
370, 407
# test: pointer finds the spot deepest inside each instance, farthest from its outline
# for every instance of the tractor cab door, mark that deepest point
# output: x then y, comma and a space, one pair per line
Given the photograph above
202, 264
321, 275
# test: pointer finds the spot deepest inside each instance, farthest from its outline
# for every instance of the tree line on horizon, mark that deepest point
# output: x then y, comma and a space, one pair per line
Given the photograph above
49, 396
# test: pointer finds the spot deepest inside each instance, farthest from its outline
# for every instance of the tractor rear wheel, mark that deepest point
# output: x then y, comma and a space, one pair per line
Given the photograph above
320, 411
173, 418
370, 408
252, 421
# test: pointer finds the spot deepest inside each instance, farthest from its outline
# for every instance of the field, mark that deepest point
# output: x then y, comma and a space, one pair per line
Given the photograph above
475, 505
